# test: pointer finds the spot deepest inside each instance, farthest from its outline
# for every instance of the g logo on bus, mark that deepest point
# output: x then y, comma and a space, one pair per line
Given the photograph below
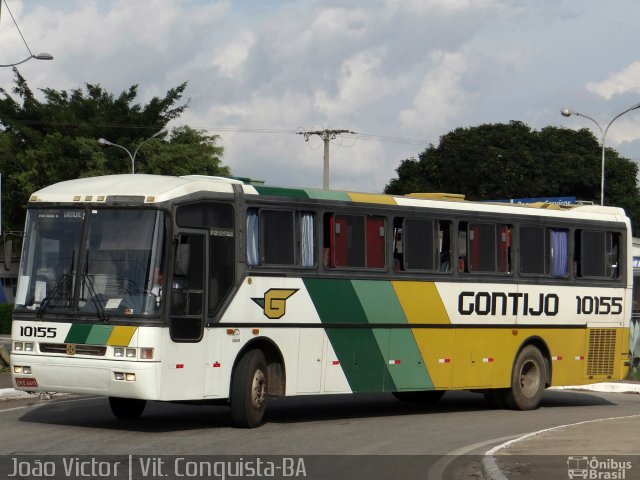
274, 302
71, 349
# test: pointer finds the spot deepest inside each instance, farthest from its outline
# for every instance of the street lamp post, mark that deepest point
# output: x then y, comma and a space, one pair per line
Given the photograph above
39, 56
567, 112
103, 141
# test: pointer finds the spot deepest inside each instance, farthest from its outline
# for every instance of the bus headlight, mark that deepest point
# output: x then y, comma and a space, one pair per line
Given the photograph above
118, 352
28, 346
131, 353
18, 346
129, 377
21, 370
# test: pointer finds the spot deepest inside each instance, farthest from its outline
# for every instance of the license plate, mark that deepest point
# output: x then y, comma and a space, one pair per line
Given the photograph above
26, 382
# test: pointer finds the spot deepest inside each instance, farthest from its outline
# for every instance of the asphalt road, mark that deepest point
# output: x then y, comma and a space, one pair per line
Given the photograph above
367, 425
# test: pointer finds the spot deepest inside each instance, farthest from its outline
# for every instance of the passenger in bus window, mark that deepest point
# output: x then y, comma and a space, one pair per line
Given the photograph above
461, 264
156, 289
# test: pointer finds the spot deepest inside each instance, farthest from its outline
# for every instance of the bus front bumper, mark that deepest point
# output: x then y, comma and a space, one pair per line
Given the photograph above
111, 378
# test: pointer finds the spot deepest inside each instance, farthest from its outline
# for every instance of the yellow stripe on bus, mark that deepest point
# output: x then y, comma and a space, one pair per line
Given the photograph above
421, 302
121, 336
372, 198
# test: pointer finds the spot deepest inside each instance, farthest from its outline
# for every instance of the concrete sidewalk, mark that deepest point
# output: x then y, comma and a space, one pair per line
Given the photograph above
603, 448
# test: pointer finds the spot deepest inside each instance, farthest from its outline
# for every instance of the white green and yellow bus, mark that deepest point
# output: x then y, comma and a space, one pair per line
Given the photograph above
142, 287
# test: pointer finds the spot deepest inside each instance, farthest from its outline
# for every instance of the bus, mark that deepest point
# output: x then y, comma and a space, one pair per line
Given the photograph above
180, 289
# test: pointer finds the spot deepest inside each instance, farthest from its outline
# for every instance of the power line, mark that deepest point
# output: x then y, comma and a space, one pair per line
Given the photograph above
326, 136
266, 131
388, 139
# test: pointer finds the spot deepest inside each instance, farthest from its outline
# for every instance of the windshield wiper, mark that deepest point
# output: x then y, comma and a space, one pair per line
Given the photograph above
97, 301
45, 301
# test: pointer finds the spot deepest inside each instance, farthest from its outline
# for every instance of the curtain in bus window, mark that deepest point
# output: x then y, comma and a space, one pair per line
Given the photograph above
375, 242
482, 246
559, 253
252, 237
306, 239
349, 240
340, 241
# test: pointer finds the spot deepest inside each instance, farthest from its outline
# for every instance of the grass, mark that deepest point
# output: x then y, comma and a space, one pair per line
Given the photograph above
633, 374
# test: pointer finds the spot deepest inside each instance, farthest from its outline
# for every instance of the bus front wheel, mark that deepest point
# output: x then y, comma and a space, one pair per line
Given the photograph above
527, 380
127, 408
249, 390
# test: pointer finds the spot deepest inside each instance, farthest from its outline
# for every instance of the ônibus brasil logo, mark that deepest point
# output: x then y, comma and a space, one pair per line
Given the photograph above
274, 302
596, 469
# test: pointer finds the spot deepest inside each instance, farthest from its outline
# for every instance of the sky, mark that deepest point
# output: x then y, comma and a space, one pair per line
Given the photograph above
398, 73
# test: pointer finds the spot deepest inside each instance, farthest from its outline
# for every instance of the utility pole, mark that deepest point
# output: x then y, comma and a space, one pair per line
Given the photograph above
326, 136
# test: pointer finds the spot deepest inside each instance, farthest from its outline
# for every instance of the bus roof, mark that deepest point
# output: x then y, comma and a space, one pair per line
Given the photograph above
151, 189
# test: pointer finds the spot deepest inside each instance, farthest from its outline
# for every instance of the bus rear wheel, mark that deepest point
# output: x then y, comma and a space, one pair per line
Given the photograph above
527, 380
249, 390
127, 408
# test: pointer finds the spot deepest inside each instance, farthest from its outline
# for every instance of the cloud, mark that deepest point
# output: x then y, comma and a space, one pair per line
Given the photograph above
360, 82
229, 58
626, 80
440, 97
257, 70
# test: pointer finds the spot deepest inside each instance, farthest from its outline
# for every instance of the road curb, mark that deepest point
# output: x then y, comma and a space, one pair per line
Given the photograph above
13, 394
604, 387
489, 467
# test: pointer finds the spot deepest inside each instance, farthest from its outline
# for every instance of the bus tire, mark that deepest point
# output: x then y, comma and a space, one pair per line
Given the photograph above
527, 380
127, 408
426, 396
249, 390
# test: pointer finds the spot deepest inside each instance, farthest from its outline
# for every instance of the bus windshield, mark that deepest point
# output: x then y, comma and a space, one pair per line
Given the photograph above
98, 262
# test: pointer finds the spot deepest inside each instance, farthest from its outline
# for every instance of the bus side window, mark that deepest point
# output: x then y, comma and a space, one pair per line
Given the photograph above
444, 245
462, 248
613, 252
398, 251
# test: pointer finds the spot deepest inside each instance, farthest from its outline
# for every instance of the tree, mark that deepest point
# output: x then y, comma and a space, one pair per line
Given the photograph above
501, 161
55, 139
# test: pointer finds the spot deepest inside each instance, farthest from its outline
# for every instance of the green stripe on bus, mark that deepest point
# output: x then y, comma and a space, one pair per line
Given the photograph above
327, 195
400, 350
357, 349
99, 334
78, 333
281, 191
